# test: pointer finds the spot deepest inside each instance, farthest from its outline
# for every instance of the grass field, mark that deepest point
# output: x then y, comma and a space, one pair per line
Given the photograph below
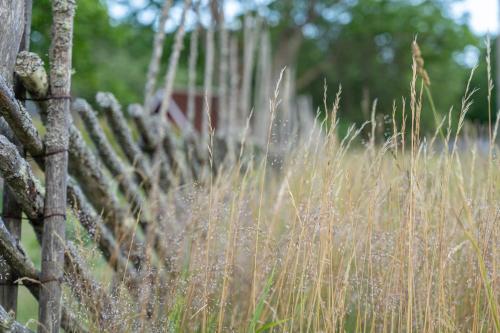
344, 239
399, 234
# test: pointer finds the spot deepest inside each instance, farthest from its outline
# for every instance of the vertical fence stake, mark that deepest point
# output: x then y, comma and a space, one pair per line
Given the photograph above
56, 164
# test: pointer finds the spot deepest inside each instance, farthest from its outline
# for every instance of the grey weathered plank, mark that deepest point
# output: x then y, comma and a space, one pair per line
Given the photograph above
110, 158
14, 253
149, 133
158, 46
150, 139
12, 215
18, 175
19, 120
192, 64
123, 135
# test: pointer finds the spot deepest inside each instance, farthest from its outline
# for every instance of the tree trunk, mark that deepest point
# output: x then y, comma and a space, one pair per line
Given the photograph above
14, 36
287, 51
56, 162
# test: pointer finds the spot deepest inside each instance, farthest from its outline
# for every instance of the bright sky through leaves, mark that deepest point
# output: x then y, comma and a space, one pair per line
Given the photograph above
483, 14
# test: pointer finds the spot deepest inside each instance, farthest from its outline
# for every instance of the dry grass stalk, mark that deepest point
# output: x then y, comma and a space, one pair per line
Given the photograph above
417, 55
207, 85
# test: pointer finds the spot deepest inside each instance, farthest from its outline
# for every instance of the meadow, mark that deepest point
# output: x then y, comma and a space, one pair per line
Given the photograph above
397, 234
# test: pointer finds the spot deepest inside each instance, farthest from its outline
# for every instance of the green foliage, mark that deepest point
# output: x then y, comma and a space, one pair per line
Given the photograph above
106, 56
175, 315
270, 325
259, 308
479, 110
365, 46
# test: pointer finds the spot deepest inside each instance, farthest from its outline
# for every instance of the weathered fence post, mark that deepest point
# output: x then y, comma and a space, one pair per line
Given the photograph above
11, 32
251, 31
223, 59
263, 90
14, 36
56, 163
192, 62
154, 65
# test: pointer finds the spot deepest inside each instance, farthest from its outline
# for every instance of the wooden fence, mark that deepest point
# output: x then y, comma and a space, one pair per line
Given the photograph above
113, 179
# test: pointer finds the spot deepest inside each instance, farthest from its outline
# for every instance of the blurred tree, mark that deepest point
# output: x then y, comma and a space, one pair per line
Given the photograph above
362, 44
107, 55
296, 18
365, 46
479, 110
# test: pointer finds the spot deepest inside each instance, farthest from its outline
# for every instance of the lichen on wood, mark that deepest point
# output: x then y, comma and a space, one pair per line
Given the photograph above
123, 135
110, 158
9, 324
19, 177
19, 120
147, 130
30, 70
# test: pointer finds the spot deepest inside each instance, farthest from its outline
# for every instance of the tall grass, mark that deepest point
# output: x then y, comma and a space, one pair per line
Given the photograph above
401, 236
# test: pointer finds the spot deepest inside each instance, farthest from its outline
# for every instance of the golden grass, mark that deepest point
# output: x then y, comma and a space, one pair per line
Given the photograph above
401, 235
354, 239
